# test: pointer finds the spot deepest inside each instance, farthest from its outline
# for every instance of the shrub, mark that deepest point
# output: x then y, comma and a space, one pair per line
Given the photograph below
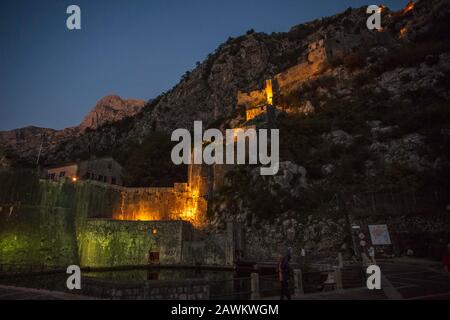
410, 55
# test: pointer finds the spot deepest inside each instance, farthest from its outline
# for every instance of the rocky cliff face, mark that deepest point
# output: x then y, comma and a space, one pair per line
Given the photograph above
334, 58
375, 144
111, 109
209, 92
26, 143
366, 120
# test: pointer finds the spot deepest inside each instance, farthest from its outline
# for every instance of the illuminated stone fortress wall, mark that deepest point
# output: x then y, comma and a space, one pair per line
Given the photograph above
50, 223
184, 201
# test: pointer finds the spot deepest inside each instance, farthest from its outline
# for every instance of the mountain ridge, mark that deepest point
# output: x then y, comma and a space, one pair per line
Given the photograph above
210, 92
26, 142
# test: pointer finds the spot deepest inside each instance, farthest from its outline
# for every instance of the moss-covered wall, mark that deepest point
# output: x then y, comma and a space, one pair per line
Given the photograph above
211, 251
58, 224
38, 236
110, 243
41, 222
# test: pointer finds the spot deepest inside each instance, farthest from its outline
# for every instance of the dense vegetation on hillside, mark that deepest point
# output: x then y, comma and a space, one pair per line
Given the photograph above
148, 164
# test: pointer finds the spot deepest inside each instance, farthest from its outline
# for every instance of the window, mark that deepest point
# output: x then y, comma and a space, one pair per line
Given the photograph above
62, 174
100, 177
52, 176
113, 180
105, 179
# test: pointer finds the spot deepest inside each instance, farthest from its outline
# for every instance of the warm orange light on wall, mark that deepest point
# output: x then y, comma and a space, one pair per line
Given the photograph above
145, 216
269, 92
408, 7
176, 203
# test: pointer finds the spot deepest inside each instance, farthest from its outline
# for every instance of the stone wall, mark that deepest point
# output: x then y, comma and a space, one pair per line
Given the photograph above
41, 222
210, 251
255, 112
110, 243
324, 237
251, 99
180, 202
185, 201
61, 223
426, 236
314, 62
297, 75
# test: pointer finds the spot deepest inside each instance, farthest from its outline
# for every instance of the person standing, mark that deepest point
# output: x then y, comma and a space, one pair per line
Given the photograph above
283, 274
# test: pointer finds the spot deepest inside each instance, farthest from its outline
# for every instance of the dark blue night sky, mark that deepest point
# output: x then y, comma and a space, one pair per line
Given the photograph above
51, 77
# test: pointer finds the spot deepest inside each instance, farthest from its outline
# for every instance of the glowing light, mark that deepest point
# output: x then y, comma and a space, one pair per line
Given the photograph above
408, 8
269, 92
403, 32
74, 179
185, 204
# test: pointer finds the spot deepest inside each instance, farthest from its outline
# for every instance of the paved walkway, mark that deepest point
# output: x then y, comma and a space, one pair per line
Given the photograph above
400, 281
349, 294
415, 282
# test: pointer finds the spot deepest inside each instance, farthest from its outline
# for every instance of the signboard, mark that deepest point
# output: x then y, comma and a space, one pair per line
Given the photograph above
379, 234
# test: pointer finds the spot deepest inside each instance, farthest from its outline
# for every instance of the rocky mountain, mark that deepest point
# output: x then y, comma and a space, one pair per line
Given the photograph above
364, 123
377, 144
111, 109
25, 143
338, 55
330, 60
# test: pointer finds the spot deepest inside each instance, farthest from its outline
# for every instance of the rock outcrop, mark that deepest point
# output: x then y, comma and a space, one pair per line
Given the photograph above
111, 109
27, 143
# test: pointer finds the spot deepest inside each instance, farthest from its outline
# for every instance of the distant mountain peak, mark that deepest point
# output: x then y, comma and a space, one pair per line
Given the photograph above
25, 142
111, 108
